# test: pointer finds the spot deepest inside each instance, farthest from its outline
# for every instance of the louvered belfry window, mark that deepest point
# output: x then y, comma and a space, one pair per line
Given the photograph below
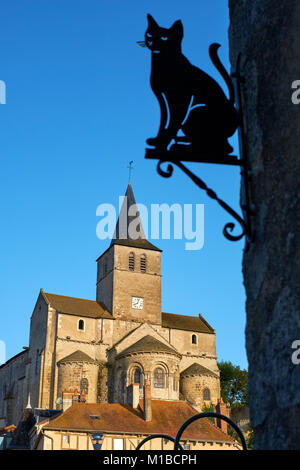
131, 262
143, 264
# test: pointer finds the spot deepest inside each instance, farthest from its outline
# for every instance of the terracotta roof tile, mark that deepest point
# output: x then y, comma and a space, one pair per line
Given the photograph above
167, 417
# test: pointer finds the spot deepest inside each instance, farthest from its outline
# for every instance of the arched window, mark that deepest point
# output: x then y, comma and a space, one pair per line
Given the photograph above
131, 262
84, 385
137, 377
206, 394
80, 325
194, 339
143, 264
159, 378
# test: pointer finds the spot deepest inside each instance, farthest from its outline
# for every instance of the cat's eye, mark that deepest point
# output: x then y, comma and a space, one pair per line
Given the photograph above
149, 35
164, 38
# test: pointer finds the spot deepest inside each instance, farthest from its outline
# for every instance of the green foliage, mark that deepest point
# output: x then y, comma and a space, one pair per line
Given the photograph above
234, 382
250, 439
208, 408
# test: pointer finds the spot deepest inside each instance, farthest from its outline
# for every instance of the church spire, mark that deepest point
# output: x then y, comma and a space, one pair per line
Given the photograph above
129, 229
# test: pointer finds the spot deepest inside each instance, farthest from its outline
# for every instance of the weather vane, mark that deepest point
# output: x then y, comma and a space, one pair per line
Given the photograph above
196, 117
130, 167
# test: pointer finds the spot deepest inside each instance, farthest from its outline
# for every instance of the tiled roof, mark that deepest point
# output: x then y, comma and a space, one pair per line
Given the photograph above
148, 344
75, 306
93, 309
167, 417
197, 369
185, 322
77, 356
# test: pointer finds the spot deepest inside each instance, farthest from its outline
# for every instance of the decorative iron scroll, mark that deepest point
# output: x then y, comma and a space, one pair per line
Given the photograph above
196, 117
208, 414
156, 436
200, 183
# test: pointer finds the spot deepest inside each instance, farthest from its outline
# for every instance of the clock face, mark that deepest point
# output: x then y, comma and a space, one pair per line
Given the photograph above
137, 302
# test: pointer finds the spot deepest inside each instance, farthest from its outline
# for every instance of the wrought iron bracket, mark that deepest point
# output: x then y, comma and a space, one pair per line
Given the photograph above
176, 154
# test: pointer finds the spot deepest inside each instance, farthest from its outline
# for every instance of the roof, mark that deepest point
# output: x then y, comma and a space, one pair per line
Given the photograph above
148, 344
14, 357
167, 417
122, 231
185, 322
77, 356
93, 309
75, 306
197, 369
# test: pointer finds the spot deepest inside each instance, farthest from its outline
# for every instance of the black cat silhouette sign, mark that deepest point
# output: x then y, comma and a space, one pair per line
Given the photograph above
196, 116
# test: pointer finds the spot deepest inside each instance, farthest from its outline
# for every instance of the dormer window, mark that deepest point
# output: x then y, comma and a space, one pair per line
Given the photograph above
131, 262
81, 325
143, 264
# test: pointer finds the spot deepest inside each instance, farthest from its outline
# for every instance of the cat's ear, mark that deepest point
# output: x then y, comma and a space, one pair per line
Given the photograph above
151, 22
177, 28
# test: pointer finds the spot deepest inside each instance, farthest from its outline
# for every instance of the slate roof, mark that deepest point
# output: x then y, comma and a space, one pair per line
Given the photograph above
122, 234
148, 344
76, 306
93, 309
77, 356
185, 322
167, 417
197, 369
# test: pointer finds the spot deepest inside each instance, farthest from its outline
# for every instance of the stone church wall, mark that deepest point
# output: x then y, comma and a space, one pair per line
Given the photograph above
267, 33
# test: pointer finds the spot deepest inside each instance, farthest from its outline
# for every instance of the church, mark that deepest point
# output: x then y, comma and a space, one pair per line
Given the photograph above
115, 351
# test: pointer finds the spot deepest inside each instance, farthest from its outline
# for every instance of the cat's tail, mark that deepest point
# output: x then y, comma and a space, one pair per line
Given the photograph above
213, 54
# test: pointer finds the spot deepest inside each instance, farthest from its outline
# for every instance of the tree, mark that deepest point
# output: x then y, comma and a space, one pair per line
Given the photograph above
234, 383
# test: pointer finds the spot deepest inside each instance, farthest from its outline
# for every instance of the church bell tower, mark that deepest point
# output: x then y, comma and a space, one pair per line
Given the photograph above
129, 271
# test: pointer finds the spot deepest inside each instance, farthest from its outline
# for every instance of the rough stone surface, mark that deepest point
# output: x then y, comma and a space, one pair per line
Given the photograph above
266, 32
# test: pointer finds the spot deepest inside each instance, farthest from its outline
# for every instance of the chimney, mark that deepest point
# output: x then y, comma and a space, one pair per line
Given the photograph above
147, 401
133, 395
67, 399
222, 409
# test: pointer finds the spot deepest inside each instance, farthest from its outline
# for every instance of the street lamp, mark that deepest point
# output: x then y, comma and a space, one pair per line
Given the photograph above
97, 441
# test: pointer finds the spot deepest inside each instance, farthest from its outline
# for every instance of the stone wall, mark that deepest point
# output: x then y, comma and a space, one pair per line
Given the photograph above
267, 33
192, 388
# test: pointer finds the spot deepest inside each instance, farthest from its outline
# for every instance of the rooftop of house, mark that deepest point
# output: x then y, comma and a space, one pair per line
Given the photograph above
167, 418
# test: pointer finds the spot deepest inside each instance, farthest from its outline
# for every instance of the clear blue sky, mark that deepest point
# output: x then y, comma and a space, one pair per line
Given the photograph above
79, 107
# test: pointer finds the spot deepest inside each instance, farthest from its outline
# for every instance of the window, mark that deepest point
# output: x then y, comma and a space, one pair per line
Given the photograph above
137, 376
143, 264
84, 385
65, 441
159, 378
131, 262
206, 394
80, 325
118, 444
194, 339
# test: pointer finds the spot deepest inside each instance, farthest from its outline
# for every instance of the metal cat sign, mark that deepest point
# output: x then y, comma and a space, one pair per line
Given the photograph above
196, 116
